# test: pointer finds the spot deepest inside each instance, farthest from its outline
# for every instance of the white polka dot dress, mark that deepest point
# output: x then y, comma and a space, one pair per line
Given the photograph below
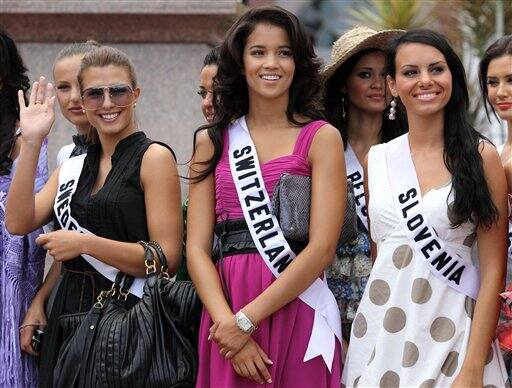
411, 329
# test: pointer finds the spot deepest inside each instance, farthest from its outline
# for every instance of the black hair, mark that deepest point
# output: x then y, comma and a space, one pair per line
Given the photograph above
212, 57
230, 86
336, 102
472, 198
501, 47
12, 78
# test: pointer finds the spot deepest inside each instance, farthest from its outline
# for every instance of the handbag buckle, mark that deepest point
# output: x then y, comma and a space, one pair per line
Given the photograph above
100, 300
150, 267
123, 295
164, 273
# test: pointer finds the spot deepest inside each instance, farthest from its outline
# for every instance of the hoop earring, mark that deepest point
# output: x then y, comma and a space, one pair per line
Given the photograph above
392, 110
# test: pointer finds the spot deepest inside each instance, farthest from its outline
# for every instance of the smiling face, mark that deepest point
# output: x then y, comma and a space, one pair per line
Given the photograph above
109, 119
206, 90
365, 86
499, 86
65, 74
423, 80
268, 63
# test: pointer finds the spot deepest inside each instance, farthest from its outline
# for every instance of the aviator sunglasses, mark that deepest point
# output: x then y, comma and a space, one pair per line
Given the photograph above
120, 96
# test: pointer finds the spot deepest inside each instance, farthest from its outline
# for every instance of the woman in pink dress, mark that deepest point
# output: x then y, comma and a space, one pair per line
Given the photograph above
256, 328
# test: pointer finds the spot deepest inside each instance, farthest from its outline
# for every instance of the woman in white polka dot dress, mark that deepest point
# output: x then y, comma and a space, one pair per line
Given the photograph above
414, 327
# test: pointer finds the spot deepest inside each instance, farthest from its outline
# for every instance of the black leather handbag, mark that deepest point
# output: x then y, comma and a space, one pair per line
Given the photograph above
153, 344
291, 203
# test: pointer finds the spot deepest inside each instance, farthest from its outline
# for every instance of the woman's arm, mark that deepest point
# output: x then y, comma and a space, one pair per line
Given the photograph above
328, 201
492, 249
159, 178
200, 226
26, 211
35, 315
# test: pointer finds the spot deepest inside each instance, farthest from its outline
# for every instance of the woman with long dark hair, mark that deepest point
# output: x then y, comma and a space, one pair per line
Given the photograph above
428, 315
496, 85
355, 102
260, 324
124, 190
21, 260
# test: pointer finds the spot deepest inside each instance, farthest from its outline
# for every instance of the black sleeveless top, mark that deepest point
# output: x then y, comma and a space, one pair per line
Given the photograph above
117, 212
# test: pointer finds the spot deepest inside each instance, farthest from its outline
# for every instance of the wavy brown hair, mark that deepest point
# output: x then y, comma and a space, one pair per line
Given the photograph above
231, 99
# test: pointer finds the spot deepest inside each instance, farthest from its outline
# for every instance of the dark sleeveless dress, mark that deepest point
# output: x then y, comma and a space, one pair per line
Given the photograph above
117, 211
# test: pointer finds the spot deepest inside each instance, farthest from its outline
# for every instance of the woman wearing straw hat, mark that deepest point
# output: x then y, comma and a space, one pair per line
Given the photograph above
355, 103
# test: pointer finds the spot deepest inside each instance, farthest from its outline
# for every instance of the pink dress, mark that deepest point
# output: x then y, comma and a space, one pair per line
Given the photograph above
284, 336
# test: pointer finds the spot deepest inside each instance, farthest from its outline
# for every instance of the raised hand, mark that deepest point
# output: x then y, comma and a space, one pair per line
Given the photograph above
37, 118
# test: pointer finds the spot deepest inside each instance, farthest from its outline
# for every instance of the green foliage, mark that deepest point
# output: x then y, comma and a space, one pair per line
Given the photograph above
389, 14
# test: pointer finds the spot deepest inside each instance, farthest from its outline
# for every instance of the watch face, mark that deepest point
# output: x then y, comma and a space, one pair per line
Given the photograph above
244, 324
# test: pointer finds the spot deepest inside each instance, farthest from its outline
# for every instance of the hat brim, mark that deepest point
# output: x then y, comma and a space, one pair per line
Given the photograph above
378, 41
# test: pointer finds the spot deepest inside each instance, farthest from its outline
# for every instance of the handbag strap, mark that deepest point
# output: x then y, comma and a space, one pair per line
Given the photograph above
164, 268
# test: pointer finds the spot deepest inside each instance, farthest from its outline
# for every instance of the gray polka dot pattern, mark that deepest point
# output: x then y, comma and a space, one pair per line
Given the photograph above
359, 326
469, 306
428, 384
402, 256
410, 355
442, 329
450, 364
379, 292
389, 379
421, 291
418, 335
394, 320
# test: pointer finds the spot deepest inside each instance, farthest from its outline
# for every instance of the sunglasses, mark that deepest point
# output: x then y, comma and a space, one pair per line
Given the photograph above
120, 95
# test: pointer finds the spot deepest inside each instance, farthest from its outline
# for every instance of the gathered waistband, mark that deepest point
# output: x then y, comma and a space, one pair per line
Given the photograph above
234, 238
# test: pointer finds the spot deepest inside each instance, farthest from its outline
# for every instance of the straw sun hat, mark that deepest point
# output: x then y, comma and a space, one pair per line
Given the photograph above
354, 41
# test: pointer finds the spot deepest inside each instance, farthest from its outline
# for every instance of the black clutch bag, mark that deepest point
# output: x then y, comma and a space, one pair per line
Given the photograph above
291, 203
153, 344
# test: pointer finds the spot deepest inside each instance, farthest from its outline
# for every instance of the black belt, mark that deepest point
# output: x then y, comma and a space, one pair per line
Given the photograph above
234, 238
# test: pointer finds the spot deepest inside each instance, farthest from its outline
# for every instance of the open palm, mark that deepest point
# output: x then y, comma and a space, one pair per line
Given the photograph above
37, 118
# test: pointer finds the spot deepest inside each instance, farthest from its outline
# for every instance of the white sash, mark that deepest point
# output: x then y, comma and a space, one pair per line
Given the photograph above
456, 271
272, 245
69, 175
355, 173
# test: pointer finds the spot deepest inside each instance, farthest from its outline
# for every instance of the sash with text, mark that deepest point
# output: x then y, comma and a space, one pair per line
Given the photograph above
454, 270
69, 175
273, 247
355, 173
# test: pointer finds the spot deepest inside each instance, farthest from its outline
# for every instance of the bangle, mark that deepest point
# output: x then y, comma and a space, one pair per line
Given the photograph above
31, 324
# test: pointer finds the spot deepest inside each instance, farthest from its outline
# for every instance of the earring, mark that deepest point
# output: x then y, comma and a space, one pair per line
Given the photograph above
344, 108
134, 105
83, 110
392, 110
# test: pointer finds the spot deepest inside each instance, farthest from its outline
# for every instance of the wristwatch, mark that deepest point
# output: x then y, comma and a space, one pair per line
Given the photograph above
244, 323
